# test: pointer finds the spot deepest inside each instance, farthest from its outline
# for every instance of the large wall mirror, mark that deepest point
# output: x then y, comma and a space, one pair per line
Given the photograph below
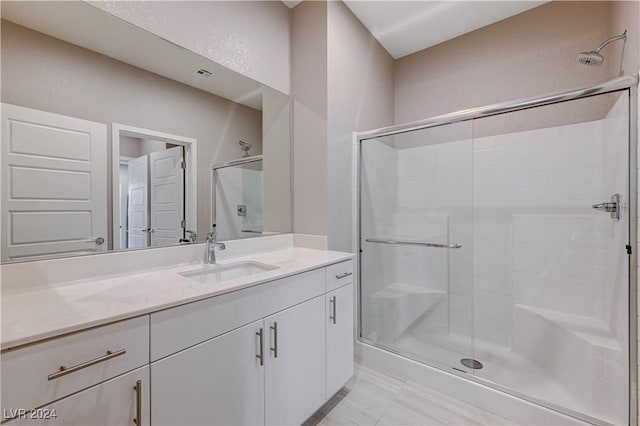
114, 138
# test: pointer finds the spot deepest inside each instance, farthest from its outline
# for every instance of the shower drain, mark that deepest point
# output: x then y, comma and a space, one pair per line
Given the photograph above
471, 363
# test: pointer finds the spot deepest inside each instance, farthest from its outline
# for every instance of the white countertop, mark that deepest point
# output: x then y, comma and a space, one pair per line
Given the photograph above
48, 312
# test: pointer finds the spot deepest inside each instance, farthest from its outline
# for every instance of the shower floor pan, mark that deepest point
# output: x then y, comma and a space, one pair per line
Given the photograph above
512, 370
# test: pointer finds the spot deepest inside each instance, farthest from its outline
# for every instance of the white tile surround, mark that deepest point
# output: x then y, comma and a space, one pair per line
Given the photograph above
494, 321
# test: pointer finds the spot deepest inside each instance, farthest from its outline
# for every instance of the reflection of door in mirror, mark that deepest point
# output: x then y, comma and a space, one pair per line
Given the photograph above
167, 196
54, 200
137, 228
153, 212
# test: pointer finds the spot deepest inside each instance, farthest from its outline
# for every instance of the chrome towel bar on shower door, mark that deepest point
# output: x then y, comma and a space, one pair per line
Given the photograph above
414, 243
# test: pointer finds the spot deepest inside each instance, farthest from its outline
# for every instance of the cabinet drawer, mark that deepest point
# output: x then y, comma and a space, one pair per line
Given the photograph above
114, 402
31, 375
339, 274
175, 329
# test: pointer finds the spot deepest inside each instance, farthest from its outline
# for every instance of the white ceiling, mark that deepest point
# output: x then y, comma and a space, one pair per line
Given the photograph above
405, 27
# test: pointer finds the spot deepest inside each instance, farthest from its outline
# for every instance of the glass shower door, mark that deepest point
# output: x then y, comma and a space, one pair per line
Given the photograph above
417, 245
551, 225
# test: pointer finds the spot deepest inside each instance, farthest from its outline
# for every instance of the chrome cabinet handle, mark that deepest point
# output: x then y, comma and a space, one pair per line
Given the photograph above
346, 274
274, 349
138, 388
414, 243
333, 303
260, 353
64, 370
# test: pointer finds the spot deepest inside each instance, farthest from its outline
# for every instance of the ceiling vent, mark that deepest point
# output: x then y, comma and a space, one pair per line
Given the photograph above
203, 73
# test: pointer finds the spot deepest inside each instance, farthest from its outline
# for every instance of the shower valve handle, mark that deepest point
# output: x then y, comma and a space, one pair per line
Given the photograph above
607, 207
612, 207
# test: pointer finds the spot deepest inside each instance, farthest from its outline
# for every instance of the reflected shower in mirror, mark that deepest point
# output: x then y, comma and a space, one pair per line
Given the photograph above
237, 194
109, 134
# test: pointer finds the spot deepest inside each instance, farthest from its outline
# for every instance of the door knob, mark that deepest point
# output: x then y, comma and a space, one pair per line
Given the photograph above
99, 241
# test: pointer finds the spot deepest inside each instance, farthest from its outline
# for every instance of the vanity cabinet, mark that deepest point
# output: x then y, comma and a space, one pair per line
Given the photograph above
248, 376
120, 401
272, 354
340, 337
295, 363
220, 381
37, 374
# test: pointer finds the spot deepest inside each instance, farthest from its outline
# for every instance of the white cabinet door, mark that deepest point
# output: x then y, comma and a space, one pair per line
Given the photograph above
138, 211
54, 191
112, 403
218, 382
295, 373
167, 196
340, 338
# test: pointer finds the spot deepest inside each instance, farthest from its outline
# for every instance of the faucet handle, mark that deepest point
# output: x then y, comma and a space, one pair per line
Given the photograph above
193, 236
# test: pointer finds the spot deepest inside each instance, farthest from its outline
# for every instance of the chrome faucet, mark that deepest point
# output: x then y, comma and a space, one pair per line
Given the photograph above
210, 253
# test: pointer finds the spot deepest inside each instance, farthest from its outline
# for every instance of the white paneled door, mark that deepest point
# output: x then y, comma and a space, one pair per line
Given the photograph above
167, 196
54, 184
138, 212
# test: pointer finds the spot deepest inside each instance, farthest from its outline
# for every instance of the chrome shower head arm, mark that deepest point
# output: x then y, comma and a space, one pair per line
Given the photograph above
611, 40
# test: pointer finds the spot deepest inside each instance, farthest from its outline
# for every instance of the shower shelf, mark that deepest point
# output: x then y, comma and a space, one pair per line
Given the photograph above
398, 290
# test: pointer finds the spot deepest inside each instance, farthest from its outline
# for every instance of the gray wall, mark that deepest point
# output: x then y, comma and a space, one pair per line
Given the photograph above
44, 73
360, 97
342, 81
250, 37
137, 147
309, 94
529, 54
276, 152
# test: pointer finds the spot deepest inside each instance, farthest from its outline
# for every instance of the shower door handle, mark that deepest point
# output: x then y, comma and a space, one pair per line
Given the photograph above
413, 243
612, 207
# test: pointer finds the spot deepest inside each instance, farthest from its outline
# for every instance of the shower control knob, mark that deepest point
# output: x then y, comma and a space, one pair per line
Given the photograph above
607, 207
612, 207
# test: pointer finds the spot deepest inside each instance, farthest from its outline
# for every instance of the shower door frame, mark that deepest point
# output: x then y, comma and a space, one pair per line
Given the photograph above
626, 83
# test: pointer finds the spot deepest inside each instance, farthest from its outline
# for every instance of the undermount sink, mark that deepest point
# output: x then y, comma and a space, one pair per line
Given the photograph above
218, 273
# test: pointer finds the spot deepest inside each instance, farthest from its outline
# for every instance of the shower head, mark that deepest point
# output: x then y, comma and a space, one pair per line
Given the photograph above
245, 146
590, 58
594, 57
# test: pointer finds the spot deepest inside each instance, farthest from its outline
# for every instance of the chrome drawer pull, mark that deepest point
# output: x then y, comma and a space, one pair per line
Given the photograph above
346, 274
64, 370
260, 354
138, 388
333, 304
274, 349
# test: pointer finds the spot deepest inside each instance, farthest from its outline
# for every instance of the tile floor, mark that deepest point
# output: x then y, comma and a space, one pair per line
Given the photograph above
375, 398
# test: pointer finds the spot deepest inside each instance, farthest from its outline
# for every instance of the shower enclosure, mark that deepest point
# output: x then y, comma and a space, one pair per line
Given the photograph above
237, 198
497, 244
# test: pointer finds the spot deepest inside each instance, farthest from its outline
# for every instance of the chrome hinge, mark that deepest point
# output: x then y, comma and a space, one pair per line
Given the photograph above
629, 250
183, 165
183, 224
